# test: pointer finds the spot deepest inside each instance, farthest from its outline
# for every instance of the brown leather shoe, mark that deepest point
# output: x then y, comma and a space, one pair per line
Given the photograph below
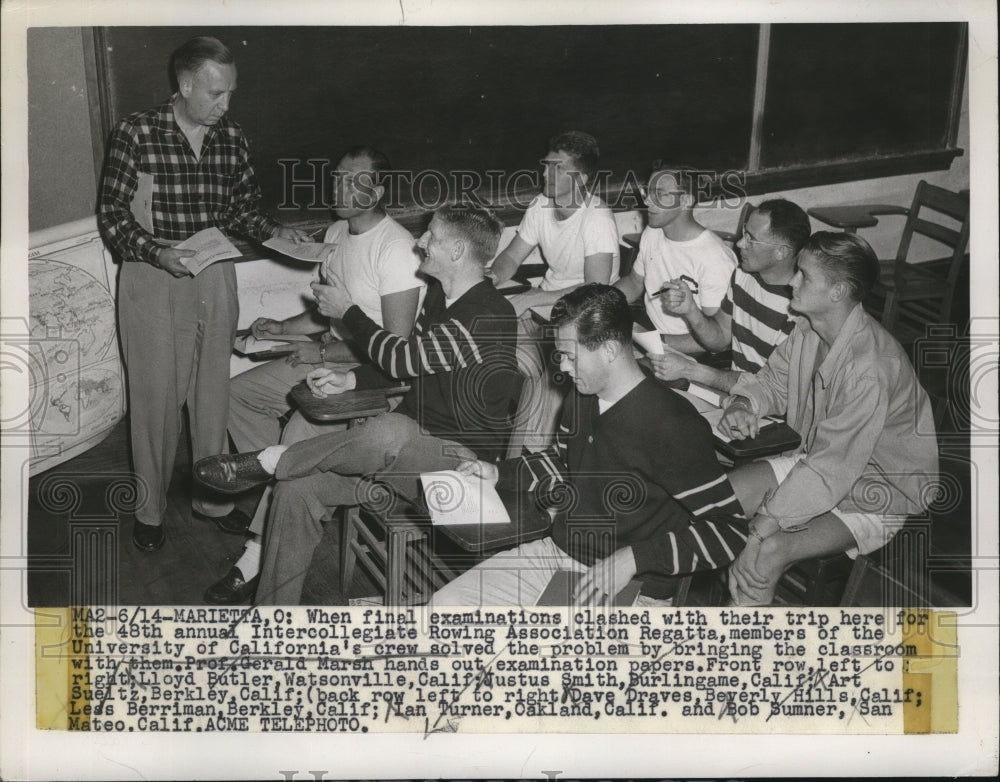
231, 473
231, 589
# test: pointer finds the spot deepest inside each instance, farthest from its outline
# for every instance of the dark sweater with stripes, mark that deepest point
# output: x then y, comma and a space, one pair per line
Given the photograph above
459, 360
642, 474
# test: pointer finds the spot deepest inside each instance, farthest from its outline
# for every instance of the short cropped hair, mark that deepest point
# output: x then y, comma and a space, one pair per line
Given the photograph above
845, 258
378, 161
686, 176
789, 222
599, 312
191, 55
582, 147
479, 226
378, 164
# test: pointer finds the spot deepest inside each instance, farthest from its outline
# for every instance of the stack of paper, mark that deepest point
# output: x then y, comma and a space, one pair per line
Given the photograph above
453, 498
249, 345
311, 252
210, 246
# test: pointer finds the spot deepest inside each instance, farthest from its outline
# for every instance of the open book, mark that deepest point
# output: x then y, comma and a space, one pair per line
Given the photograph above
453, 498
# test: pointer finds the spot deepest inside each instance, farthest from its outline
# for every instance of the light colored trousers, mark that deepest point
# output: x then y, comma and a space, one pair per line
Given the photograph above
516, 577
177, 335
318, 475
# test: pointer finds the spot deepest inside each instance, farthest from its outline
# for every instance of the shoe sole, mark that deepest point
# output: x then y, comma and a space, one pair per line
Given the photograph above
217, 521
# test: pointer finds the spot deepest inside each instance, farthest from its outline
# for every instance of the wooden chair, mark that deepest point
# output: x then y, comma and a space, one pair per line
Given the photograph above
389, 539
394, 553
912, 295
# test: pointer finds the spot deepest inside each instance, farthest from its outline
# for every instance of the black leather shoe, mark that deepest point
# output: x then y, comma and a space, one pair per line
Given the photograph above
231, 589
147, 537
231, 473
236, 522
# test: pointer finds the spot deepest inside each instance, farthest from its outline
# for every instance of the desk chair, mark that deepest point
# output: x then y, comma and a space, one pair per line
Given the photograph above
398, 560
393, 547
910, 296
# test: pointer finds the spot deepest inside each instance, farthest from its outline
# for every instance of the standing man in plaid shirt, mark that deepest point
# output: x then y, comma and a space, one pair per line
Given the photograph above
177, 330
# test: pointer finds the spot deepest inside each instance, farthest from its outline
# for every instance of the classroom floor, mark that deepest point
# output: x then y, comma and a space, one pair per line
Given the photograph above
195, 554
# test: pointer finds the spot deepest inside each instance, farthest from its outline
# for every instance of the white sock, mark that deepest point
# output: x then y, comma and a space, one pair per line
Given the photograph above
249, 563
268, 458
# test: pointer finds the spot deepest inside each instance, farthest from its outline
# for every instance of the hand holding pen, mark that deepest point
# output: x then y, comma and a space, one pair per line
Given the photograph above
678, 296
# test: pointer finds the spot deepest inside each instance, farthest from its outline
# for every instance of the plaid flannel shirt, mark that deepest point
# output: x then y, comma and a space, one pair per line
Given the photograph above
218, 189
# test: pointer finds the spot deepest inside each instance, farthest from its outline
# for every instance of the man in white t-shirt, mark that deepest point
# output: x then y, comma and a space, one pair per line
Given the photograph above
572, 227
376, 261
676, 250
578, 239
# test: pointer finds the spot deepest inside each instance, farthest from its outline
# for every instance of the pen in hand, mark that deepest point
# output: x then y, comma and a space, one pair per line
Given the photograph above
692, 285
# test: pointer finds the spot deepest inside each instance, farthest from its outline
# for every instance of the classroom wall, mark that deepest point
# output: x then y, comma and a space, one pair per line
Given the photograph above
63, 178
60, 147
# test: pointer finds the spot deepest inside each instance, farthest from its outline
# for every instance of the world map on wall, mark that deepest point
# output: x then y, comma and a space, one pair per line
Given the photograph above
75, 384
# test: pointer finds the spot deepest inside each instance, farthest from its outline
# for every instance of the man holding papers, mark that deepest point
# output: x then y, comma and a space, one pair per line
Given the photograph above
172, 171
460, 363
754, 316
633, 477
868, 456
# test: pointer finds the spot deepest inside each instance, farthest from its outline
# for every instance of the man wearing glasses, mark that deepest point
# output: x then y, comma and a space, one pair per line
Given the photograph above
754, 317
676, 252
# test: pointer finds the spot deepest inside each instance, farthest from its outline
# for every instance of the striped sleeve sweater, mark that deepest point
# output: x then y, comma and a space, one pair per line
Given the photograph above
642, 474
459, 361
761, 320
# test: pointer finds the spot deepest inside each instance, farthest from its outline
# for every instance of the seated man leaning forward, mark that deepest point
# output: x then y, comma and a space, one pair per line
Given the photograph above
676, 250
869, 453
649, 498
461, 366
754, 318
376, 262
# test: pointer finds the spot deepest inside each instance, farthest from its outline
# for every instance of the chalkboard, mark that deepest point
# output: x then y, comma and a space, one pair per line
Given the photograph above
460, 98
838, 102
851, 91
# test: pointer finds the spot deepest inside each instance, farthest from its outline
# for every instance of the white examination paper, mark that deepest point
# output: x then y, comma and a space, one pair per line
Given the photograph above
249, 344
311, 252
453, 498
210, 246
649, 341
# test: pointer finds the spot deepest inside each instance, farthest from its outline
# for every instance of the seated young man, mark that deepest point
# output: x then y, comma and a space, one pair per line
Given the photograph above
578, 238
460, 363
572, 227
375, 260
677, 251
647, 496
869, 454
754, 318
